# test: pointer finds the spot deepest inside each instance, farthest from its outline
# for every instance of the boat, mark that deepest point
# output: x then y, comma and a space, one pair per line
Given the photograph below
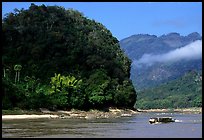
161, 120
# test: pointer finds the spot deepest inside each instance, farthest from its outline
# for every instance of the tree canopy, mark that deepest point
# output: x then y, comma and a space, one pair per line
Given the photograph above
49, 40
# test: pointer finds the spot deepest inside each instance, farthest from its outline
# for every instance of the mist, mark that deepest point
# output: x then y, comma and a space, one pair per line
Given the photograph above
191, 51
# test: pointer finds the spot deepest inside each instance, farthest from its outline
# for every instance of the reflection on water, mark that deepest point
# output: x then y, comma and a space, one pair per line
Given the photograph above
188, 126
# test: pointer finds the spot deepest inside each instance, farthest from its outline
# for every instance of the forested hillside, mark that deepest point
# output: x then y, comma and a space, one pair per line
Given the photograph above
180, 93
59, 59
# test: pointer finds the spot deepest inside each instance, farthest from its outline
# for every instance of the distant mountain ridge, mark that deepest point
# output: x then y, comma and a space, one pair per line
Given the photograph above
136, 46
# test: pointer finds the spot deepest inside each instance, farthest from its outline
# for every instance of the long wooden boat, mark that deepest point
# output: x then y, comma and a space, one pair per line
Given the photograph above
161, 120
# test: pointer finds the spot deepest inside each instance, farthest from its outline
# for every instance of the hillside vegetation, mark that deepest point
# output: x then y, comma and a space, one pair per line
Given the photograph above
180, 93
59, 59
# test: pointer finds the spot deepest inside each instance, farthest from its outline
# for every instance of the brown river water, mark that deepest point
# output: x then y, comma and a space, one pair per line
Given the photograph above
136, 126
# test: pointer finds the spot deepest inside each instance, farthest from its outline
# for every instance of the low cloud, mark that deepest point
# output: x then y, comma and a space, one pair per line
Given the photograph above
191, 51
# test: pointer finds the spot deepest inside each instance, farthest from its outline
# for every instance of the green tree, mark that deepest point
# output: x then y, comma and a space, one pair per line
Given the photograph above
66, 87
125, 95
96, 89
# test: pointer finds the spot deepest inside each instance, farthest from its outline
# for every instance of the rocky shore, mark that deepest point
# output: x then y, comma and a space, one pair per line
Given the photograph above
92, 114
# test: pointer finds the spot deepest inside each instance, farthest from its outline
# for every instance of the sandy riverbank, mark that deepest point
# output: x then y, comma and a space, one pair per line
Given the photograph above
94, 114
9, 117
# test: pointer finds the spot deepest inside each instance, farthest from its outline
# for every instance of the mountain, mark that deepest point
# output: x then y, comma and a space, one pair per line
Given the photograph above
183, 92
150, 57
137, 45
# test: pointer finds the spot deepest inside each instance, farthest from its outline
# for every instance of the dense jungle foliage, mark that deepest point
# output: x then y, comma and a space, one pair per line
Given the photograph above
180, 93
58, 59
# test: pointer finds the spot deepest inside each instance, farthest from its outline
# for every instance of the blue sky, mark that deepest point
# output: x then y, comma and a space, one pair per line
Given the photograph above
124, 19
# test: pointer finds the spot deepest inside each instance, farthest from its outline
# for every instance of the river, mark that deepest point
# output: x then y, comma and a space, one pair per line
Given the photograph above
136, 126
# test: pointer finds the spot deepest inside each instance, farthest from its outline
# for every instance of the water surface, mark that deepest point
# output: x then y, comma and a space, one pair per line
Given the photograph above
137, 126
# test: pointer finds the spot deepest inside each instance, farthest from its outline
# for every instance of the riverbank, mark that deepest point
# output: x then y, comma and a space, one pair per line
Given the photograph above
193, 110
92, 114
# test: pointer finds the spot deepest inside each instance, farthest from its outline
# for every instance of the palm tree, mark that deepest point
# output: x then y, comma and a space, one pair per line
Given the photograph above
17, 68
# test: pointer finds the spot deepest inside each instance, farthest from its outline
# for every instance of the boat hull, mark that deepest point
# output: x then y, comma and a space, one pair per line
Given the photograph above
161, 120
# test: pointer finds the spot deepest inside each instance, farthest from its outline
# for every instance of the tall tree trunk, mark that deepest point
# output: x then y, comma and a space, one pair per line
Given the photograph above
16, 76
4, 72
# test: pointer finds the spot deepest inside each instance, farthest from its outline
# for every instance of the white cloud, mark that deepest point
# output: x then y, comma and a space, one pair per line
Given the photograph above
189, 52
